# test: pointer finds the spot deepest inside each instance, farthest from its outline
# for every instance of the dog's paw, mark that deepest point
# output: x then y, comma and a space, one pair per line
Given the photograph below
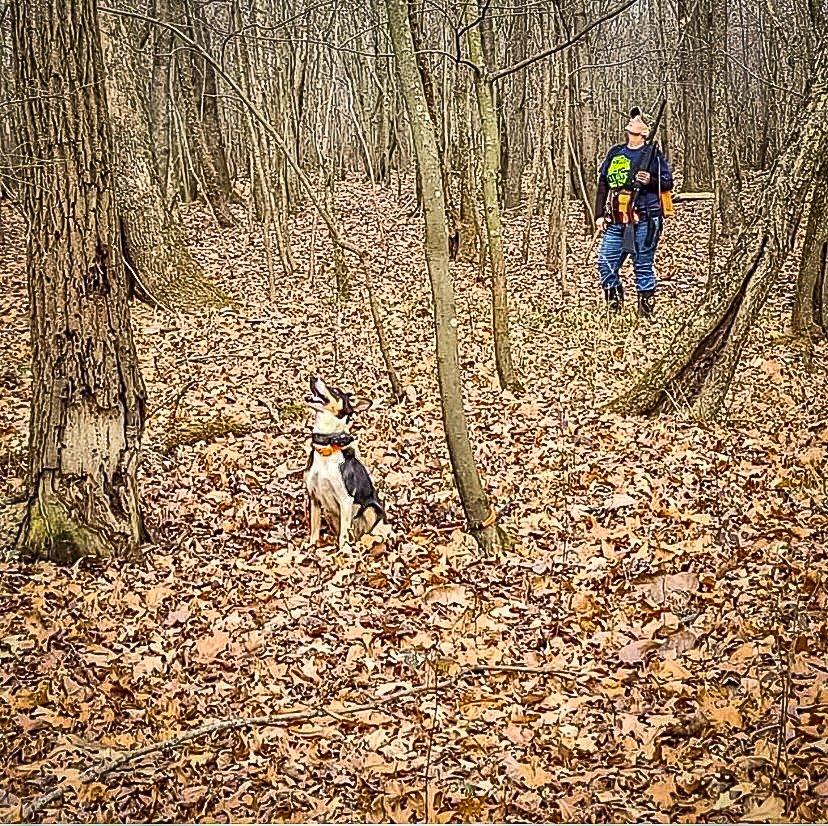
383, 530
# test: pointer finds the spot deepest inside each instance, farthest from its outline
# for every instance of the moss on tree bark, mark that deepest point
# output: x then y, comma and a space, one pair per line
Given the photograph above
87, 410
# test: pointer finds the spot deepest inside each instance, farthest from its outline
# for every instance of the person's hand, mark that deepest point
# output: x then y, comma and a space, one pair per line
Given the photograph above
643, 177
600, 224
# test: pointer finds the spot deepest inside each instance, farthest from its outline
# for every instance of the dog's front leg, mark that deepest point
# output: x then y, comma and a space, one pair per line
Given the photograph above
346, 511
315, 513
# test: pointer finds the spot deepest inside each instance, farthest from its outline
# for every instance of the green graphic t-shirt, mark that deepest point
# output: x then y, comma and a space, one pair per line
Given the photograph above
618, 171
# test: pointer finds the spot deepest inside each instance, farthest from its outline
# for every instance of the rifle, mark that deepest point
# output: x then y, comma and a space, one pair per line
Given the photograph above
628, 241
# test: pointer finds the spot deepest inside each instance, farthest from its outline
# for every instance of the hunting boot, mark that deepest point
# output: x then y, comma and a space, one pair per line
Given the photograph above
646, 304
615, 299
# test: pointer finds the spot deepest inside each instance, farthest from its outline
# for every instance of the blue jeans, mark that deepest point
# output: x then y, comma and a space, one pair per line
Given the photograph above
611, 256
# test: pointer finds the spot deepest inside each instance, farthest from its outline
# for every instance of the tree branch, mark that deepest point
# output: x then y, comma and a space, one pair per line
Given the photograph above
510, 70
336, 235
285, 718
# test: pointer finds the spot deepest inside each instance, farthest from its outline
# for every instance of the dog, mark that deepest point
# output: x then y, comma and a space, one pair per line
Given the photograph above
337, 482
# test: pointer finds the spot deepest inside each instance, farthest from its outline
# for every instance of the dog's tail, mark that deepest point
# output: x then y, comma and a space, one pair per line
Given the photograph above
379, 512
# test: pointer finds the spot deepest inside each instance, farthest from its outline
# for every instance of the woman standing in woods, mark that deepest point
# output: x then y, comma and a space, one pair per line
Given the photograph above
621, 169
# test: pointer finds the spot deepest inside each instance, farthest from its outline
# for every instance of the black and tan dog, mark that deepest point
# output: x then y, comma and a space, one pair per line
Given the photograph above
337, 482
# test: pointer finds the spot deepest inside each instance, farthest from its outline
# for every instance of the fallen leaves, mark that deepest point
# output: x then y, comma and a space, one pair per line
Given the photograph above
209, 647
636, 651
530, 775
663, 570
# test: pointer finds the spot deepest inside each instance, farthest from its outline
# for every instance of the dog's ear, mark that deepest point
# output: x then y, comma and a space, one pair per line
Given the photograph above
360, 405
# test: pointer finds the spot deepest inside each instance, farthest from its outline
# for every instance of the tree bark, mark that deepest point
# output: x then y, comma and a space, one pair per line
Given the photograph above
153, 241
698, 367
725, 164
189, 95
694, 80
491, 209
469, 224
517, 112
159, 97
472, 496
810, 312
205, 74
556, 154
87, 412
585, 123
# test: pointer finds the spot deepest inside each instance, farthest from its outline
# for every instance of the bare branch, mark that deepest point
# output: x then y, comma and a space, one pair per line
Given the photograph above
510, 70
280, 142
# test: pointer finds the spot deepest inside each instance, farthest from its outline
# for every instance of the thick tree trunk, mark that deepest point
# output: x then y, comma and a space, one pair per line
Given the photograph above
698, 367
694, 82
491, 209
810, 312
153, 241
87, 411
473, 497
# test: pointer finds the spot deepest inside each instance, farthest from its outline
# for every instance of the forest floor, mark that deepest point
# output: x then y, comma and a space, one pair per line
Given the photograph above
666, 590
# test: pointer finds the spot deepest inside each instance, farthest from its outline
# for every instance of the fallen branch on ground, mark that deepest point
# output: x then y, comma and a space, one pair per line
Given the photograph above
303, 715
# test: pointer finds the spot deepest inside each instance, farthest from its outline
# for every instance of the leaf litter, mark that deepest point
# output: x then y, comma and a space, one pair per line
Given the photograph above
660, 616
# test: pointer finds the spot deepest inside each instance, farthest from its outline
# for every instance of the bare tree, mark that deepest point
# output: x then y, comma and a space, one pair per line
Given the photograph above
87, 412
153, 240
491, 208
473, 497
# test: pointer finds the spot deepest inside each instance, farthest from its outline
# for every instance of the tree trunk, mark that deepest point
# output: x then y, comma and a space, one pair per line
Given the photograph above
415, 12
159, 97
517, 114
725, 165
189, 95
556, 153
810, 312
153, 241
698, 367
491, 209
694, 79
87, 412
473, 497
205, 74
585, 125
469, 224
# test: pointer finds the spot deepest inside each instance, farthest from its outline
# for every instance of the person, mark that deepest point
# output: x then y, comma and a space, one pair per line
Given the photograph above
620, 169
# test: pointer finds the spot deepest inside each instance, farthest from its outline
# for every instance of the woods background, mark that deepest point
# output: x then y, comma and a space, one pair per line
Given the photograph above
604, 594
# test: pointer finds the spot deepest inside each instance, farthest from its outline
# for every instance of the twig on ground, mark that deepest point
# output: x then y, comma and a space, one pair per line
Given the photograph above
431, 739
179, 396
524, 669
273, 414
304, 715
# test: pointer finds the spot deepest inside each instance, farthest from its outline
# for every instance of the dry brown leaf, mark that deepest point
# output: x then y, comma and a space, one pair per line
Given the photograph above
209, 647
636, 651
770, 810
